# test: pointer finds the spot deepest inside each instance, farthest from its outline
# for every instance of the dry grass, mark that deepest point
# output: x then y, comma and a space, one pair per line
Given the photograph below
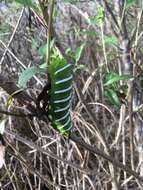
37, 157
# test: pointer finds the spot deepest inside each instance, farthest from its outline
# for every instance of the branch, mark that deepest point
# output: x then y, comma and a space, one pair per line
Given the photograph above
16, 114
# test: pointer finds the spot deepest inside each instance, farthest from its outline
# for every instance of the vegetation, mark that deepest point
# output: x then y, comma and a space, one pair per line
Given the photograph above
104, 148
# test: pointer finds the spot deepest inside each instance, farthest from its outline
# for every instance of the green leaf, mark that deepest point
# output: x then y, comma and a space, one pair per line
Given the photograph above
113, 98
88, 33
129, 3
26, 3
57, 53
11, 97
114, 77
99, 19
101, 16
79, 52
43, 49
43, 66
111, 40
27, 75
9, 101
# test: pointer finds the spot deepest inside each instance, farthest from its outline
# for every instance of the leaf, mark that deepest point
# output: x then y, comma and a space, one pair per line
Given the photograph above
99, 19
114, 77
9, 101
2, 126
88, 33
129, 3
27, 75
111, 40
2, 155
57, 53
26, 3
11, 98
113, 98
79, 52
101, 16
43, 66
43, 49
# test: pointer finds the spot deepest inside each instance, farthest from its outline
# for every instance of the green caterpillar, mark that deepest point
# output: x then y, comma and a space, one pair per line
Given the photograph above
60, 95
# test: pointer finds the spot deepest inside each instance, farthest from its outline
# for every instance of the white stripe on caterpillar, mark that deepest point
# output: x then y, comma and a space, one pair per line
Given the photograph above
65, 124
57, 120
63, 68
62, 91
68, 129
64, 80
63, 109
63, 100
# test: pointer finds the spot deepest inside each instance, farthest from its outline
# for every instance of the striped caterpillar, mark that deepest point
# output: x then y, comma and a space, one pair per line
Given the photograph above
59, 95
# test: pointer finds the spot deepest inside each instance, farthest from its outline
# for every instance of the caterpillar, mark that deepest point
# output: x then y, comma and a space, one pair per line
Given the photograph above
60, 95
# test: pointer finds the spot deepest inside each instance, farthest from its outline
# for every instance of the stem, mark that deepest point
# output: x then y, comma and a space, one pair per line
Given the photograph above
131, 125
16, 114
49, 33
104, 48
